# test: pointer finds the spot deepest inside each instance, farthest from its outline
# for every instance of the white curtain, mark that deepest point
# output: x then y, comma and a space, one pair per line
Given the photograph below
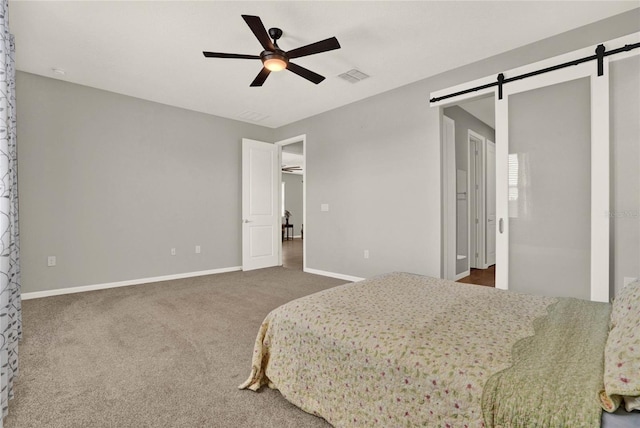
10, 312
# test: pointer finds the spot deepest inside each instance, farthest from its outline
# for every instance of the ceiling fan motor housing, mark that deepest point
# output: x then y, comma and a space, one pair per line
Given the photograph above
275, 33
277, 54
275, 60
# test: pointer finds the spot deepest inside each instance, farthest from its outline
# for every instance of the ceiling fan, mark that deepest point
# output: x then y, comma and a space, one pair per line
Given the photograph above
275, 59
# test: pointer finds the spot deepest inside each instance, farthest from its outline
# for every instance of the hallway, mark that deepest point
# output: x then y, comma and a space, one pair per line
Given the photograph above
292, 254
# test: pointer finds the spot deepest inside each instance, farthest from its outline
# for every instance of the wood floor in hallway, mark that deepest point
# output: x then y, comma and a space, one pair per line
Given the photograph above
292, 259
292, 253
481, 277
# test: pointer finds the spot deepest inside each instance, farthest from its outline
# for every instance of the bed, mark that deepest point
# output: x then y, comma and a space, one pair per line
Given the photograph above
409, 350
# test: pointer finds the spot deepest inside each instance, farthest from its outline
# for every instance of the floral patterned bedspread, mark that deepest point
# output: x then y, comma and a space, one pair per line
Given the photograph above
395, 350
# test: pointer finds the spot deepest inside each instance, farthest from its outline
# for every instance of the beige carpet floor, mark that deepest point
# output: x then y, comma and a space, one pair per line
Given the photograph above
168, 354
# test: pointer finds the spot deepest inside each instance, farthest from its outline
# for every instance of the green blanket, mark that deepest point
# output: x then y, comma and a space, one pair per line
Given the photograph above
556, 374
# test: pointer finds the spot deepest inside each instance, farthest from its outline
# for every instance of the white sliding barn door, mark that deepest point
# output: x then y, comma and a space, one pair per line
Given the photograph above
261, 228
552, 161
552, 172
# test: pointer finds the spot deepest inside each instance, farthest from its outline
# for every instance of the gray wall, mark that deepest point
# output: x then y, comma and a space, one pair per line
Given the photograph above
465, 122
377, 164
625, 170
293, 200
109, 184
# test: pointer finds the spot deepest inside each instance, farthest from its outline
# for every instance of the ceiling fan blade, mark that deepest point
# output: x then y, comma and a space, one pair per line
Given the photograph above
303, 72
261, 77
228, 55
256, 25
314, 48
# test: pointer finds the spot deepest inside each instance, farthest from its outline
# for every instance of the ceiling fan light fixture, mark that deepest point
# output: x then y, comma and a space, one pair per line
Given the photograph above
274, 61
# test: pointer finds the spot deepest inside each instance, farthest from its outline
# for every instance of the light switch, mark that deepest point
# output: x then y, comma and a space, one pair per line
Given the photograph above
324, 207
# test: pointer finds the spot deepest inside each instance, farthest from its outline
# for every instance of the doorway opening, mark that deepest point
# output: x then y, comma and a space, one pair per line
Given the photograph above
470, 191
292, 202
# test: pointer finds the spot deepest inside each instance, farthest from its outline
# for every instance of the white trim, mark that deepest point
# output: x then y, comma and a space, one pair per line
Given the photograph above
478, 200
487, 144
303, 139
83, 288
449, 197
600, 185
502, 193
461, 87
334, 275
549, 62
462, 275
470, 257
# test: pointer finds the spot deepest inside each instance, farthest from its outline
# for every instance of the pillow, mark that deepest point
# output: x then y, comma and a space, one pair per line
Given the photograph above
631, 403
624, 302
622, 351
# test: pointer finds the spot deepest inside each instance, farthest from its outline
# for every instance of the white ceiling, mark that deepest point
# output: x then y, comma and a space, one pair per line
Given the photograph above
292, 156
153, 49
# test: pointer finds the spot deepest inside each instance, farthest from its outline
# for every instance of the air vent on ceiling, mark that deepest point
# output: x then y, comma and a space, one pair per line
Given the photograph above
353, 76
252, 116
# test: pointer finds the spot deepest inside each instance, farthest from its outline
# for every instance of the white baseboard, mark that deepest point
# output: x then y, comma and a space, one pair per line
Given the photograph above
462, 275
83, 288
334, 275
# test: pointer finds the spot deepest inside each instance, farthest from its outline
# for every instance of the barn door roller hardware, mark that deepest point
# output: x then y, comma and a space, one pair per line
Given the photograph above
501, 80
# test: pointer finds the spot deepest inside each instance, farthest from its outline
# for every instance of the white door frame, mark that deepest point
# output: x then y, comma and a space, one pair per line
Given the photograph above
599, 171
487, 144
300, 138
476, 204
599, 148
449, 218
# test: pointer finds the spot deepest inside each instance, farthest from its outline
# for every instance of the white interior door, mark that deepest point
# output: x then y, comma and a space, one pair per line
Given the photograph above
490, 195
261, 228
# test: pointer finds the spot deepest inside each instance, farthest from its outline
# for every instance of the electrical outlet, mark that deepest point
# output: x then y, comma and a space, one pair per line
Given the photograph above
51, 261
197, 249
324, 207
173, 251
366, 254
